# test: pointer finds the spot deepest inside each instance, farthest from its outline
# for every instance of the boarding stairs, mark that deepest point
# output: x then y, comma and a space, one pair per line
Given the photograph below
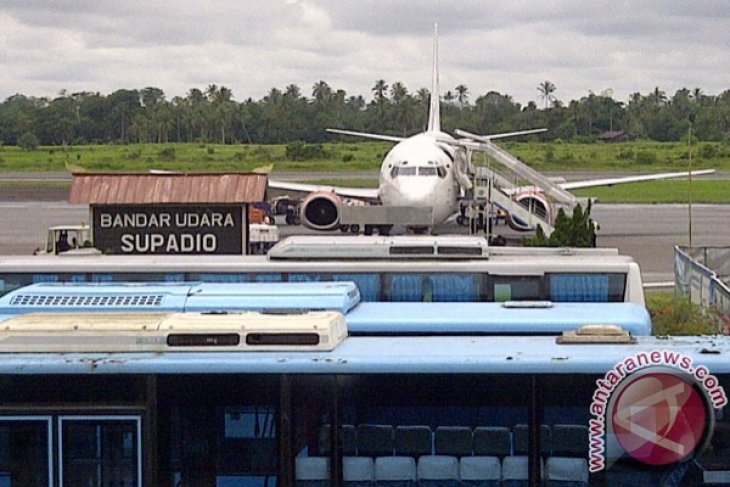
502, 177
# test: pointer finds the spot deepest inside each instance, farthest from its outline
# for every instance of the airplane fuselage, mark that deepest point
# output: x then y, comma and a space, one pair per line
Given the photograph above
419, 171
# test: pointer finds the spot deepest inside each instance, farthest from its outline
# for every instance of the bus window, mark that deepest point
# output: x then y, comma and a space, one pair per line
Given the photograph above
25, 456
222, 431
455, 287
268, 277
516, 288
406, 287
45, 278
368, 284
102, 277
432, 422
308, 277
573, 287
220, 277
100, 450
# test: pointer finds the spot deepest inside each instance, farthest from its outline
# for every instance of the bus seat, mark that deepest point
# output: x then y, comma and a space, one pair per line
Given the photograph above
348, 439
566, 472
492, 441
480, 471
570, 440
520, 440
515, 472
438, 471
358, 471
453, 440
312, 471
413, 441
374, 440
395, 472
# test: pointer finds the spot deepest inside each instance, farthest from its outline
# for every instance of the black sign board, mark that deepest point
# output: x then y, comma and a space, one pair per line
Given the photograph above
163, 229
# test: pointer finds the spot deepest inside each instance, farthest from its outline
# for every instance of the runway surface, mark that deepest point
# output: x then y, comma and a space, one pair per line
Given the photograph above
648, 233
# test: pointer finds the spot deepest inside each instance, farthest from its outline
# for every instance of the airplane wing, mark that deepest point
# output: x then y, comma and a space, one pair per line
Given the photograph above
389, 138
366, 194
592, 183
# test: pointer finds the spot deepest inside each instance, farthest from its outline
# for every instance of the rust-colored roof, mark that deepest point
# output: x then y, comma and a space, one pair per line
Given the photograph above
137, 189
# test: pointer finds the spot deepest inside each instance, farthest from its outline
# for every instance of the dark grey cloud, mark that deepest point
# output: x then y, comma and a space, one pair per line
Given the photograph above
251, 46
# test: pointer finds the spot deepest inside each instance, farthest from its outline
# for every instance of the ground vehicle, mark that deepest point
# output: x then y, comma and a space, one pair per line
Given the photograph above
68, 239
161, 399
389, 273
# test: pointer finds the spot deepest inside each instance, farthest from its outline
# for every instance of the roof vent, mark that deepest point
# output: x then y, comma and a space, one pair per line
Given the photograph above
596, 334
86, 301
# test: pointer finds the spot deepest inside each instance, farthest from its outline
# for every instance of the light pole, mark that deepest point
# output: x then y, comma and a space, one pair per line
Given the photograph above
691, 118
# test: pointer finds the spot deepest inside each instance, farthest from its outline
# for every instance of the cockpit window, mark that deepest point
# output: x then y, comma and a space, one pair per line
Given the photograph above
394, 172
406, 171
441, 171
426, 171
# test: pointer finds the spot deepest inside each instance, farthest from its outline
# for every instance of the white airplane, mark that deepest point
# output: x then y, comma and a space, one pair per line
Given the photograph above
431, 170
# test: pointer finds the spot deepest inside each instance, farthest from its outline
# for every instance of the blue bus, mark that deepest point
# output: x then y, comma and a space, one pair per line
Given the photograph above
292, 397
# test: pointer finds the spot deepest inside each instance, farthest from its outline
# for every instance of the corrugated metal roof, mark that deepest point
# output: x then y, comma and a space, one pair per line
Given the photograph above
124, 188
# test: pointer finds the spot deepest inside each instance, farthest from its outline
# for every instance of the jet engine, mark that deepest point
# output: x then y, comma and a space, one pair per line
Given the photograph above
321, 210
535, 202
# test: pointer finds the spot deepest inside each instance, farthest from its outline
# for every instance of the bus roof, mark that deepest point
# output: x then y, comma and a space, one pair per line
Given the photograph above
515, 317
388, 355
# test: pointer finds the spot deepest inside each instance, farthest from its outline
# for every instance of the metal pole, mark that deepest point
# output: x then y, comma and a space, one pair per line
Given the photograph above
689, 184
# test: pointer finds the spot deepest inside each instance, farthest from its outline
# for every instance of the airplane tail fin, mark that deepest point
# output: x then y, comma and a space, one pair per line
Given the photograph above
434, 112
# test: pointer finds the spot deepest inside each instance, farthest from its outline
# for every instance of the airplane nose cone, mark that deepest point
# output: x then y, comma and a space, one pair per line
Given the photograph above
417, 193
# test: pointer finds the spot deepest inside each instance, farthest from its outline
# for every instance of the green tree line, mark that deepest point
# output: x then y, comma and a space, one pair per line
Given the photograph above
212, 115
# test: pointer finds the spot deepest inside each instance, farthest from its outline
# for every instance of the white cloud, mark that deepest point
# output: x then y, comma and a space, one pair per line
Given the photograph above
252, 46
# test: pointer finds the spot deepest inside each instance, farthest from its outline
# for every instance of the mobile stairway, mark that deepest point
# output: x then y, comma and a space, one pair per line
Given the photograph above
509, 184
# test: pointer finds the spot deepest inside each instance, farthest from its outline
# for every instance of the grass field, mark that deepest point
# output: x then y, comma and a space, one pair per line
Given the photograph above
632, 157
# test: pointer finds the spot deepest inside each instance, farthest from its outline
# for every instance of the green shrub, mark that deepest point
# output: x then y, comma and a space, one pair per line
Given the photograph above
28, 141
167, 154
709, 151
299, 151
347, 158
645, 157
625, 154
677, 315
578, 230
211, 150
550, 154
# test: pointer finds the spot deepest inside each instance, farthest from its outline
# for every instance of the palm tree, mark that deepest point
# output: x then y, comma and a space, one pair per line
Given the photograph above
546, 89
322, 93
293, 92
658, 97
379, 90
222, 101
398, 92
462, 94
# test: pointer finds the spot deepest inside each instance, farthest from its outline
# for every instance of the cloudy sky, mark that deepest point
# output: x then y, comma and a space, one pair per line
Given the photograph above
251, 46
